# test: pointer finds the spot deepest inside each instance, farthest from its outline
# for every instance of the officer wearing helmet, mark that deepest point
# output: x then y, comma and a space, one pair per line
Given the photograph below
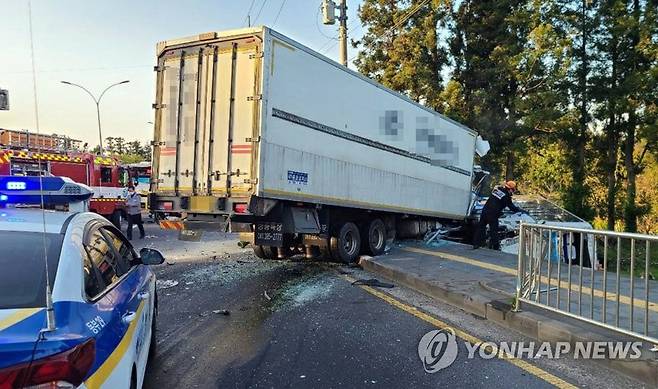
501, 198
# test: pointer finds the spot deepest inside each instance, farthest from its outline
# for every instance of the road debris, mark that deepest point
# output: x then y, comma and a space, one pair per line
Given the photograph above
166, 284
301, 291
373, 282
224, 312
267, 296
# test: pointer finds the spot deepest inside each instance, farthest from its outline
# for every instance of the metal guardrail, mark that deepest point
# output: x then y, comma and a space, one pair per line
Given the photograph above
563, 270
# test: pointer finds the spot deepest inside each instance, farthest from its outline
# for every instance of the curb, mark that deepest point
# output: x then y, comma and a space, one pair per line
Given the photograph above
497, 308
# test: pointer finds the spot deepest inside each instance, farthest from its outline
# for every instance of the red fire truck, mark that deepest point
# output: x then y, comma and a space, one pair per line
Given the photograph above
104, 175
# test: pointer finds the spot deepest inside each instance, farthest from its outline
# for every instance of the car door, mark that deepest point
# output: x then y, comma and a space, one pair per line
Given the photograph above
112, 287
144, 282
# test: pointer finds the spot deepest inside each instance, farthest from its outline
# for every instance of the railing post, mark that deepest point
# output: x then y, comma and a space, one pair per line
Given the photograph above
519, 270
533, 239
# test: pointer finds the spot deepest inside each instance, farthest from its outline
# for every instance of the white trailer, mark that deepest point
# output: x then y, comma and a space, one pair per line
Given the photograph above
260, 133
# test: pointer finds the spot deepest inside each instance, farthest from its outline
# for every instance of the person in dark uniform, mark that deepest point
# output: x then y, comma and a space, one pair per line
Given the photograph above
501, 198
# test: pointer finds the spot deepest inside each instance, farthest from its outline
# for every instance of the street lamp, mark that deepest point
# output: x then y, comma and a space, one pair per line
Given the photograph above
98, 108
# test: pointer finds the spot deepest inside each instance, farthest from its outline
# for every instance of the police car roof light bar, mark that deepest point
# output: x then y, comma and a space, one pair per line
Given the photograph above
55, 190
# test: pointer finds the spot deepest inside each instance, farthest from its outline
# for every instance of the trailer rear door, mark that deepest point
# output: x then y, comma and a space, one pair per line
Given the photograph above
210, 106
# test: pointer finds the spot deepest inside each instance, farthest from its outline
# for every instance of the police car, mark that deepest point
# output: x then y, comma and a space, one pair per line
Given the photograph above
77, 304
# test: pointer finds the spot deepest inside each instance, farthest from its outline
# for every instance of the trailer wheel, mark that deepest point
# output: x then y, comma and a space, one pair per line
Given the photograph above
346, 244
376, 234
265, 252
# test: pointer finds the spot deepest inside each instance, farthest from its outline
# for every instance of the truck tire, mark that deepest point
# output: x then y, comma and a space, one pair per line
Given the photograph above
265, 252
345, 245
375, 235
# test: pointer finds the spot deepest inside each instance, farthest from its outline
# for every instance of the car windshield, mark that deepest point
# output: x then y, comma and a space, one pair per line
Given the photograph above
23, 275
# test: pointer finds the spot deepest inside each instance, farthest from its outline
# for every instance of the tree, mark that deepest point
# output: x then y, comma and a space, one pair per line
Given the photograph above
401, 47
625, 86
134, 147
566, 91
511, 58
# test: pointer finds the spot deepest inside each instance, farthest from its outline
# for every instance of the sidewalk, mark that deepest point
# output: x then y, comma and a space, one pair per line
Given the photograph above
483, 282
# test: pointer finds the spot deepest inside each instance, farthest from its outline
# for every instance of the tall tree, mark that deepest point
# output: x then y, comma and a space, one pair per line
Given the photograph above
609, 72
580, 23
401, 47
499, 48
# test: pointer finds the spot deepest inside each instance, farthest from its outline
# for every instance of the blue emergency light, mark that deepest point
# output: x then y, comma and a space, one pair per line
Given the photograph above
33, 190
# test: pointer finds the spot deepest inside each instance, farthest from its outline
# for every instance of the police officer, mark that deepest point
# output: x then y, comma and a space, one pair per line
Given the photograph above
501, 198
134, 210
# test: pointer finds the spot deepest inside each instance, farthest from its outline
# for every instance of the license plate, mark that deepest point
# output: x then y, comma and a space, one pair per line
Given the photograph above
269, 234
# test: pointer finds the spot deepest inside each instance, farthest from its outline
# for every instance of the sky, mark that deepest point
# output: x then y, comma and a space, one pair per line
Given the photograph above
97, 43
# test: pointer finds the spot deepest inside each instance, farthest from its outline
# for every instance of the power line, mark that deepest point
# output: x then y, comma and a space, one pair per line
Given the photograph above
260, 10
246, 18
409, 14
278, 13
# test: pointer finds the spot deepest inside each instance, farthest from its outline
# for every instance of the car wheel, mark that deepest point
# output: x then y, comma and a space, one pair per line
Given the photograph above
345, 245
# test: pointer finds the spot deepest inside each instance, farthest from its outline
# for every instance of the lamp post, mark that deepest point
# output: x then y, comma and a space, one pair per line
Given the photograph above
98, 107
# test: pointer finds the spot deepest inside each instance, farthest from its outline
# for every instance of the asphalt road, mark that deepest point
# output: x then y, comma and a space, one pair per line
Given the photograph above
303, 324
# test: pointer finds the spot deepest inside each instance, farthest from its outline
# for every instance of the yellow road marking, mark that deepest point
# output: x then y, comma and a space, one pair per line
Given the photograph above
534, 370
507, 270
104, 371
468, 261
19, 315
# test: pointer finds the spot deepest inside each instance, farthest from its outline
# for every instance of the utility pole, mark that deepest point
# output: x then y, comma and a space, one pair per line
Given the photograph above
329, 17
342, 32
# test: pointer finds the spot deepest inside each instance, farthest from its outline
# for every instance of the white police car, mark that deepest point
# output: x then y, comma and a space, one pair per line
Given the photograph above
104, 302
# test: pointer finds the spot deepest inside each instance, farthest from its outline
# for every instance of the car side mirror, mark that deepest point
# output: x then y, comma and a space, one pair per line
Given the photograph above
151, 256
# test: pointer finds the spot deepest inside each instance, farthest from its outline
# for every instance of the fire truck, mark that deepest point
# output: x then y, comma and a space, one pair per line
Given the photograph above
26, 154
140, 176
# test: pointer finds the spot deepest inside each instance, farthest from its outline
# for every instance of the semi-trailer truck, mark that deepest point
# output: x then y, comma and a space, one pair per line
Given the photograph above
256, 133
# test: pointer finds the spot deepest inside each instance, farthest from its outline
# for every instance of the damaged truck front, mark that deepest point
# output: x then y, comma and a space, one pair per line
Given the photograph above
259, 134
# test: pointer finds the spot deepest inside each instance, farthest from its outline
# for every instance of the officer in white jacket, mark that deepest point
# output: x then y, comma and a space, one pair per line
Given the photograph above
134, 211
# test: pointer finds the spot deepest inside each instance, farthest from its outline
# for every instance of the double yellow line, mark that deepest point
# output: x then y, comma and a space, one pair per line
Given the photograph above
534, 370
